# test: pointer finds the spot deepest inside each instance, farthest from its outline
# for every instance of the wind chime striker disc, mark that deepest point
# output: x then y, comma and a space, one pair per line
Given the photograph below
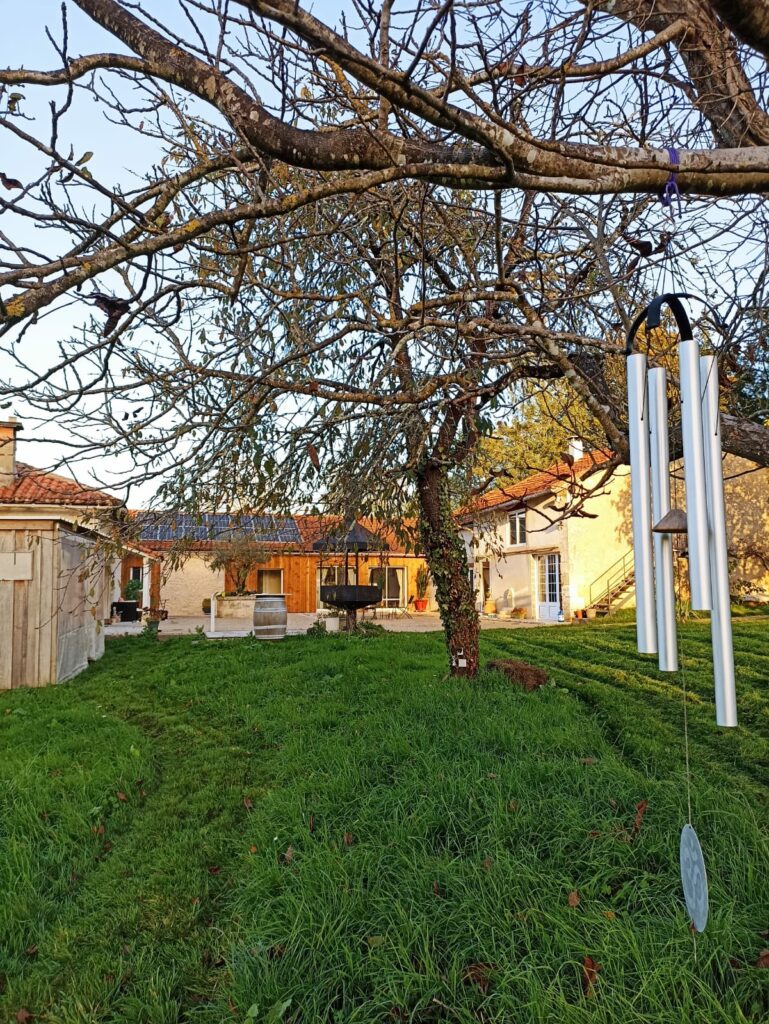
694, 878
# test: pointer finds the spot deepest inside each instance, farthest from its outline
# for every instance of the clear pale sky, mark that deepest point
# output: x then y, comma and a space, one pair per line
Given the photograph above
116, 155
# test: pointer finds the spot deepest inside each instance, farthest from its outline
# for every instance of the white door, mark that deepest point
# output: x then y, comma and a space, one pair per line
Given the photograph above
549, 586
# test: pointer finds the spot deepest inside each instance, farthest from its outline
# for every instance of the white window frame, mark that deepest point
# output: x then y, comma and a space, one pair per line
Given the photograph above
514, 521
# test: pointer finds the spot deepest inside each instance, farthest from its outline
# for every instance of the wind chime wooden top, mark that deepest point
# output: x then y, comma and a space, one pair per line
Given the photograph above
655, 521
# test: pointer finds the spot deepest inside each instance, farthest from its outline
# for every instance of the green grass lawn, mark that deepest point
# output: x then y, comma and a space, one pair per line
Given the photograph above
332, 831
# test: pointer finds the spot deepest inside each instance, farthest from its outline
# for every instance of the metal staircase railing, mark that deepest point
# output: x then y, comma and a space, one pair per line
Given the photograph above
612, 583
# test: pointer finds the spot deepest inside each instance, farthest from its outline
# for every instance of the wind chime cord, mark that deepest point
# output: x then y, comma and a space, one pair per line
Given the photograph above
669, 267
682, 670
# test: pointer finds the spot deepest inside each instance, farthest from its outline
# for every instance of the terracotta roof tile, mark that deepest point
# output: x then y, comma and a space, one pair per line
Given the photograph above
539, 483
37, 487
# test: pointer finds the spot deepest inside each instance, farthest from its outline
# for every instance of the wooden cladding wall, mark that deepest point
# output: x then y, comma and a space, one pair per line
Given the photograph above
298, 580
28, 612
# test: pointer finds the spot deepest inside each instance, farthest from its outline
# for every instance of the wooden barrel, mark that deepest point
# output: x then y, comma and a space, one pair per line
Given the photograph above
270, 616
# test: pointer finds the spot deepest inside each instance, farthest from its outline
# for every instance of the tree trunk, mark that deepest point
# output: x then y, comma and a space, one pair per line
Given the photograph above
445, 553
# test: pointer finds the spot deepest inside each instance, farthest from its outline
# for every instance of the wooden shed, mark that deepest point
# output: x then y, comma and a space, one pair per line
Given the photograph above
55, 578
53, 590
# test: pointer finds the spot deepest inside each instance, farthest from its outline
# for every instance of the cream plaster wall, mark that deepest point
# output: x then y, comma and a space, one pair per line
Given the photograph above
594, 545
182, 590
746, 496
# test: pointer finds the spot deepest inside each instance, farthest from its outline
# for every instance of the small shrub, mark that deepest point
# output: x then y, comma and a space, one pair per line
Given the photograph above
132, 590
529, 677
366, 628
317, 629
150, 629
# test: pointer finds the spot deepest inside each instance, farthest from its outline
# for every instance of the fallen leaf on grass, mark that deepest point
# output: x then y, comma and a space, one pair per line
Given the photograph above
31, 950
214, 869
437, 889
121, 797
24, 1015
349, 839
248, 803
640, 810
609, 915
573, 898
373, 941
588, 760
252, 849
479, 974
312, 823
512, 805
590, 969
488, 863
288, 856
763, 958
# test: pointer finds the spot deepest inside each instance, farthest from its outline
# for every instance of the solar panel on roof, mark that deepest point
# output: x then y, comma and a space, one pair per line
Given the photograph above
222, 526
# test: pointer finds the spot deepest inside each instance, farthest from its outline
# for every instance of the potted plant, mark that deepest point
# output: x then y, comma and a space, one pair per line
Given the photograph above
422, 583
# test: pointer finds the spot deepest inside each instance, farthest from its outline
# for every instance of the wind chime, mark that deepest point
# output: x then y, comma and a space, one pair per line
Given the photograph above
655, 523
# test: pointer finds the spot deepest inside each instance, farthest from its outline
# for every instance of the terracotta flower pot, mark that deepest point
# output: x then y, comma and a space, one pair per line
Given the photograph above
420, 604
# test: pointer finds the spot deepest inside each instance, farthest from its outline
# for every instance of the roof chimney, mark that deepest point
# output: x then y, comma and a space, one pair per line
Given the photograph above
576, 448
8, 429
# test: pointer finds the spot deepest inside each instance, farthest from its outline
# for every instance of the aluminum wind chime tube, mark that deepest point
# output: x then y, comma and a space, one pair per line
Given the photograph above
640, 493
664, 584
653, 517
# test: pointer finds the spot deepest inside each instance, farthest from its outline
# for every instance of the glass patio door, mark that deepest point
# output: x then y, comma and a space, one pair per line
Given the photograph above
549, 586
391, 581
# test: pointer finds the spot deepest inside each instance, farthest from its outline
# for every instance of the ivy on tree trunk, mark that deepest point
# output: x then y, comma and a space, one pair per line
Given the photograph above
446, 556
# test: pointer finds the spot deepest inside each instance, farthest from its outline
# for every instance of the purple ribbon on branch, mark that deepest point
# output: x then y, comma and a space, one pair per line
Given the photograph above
671, 188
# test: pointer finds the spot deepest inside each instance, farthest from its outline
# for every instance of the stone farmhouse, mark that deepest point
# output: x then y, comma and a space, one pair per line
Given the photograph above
530, 559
